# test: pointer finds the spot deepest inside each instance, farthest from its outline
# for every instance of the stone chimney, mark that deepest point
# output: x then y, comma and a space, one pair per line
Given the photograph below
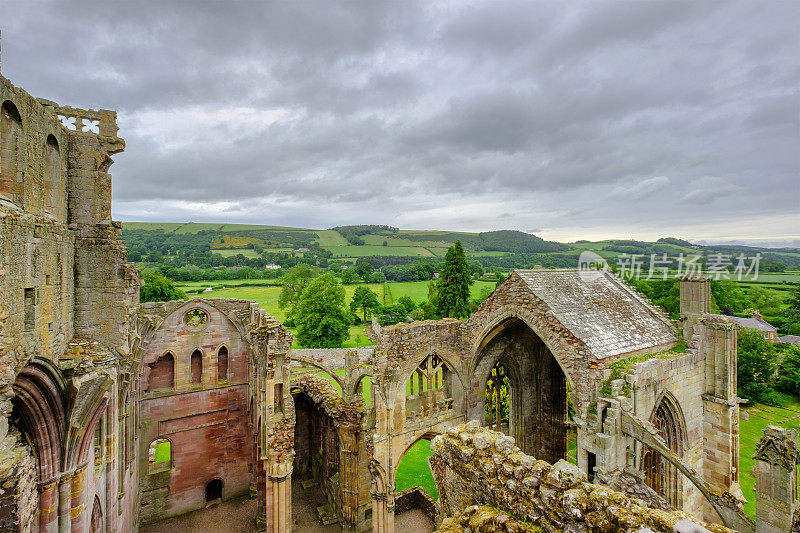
757, 315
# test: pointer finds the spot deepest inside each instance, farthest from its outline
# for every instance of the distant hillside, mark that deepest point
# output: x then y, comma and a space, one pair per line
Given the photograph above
237, 245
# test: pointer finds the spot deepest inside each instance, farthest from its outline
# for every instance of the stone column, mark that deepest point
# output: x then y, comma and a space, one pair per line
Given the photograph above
348, 477
77, 489
717, 343
278, 497
48, 507
64, 504
382, 512
775, 471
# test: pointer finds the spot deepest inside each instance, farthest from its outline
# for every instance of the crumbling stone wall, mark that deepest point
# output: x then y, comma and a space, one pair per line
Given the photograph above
475, 466
329, 432
66, 297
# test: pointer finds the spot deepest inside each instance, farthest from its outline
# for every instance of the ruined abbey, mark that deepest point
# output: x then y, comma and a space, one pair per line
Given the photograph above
115, 414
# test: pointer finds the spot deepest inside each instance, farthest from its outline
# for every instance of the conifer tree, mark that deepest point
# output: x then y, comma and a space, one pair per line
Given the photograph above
454, 282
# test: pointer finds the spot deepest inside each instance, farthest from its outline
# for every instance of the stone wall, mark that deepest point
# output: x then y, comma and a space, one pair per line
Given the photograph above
475, 466
208, 422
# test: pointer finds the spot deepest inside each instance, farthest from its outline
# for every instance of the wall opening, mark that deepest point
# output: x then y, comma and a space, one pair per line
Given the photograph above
316, 447
30, 309
661, 475
429, 388
222, 364
591, 462
11, 186
278, 397
197, 366
413, 469
159, 456
162, 373
214, 490
96, 524
498, 399
54, 191
512, 354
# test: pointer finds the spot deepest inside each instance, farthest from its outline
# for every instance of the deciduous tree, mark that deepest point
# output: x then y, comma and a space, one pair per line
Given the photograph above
321, 319
159, 288
365, 299
294, 282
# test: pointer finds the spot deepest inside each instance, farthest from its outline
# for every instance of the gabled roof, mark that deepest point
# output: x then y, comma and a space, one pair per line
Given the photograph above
752, 323
790, 339
601, 310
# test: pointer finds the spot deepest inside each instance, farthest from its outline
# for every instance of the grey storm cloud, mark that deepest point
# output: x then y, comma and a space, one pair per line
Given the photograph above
467, 115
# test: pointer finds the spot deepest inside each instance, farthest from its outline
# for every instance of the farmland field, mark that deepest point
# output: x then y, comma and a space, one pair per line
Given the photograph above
372, 249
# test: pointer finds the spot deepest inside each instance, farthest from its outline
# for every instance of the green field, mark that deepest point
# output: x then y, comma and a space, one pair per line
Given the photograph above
372, 249
787, 416
328, 237
234, 251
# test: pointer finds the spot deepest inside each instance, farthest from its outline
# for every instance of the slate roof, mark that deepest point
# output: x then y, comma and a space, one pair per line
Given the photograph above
790, 339
601, 310
752, 323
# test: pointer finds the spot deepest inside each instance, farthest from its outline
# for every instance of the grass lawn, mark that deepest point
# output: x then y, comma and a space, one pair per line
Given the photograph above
787, 416
163, 453
414, 469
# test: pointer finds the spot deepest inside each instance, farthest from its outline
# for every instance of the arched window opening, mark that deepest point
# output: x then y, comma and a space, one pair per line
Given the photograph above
54, 192
530, 382
159, 456
11, 185
197, 366
428, 389
661, 475
98, 442
214, 491
96, 524
162, 373
222, 364
498, 399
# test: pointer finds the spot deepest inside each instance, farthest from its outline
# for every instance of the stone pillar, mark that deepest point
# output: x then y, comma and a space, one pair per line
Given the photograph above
77, 491
48, 507
717, 343
64, 504
382, 512
348, 477
278, 497
695, 301
775, 471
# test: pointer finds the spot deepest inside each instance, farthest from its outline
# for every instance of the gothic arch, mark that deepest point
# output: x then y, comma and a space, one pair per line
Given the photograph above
661, 475
39, 411
538, 381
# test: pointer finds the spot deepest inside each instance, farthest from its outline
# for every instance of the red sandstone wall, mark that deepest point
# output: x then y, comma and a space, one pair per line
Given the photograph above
207, 423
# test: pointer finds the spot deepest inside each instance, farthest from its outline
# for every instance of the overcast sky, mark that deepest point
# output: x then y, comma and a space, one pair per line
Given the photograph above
578, 121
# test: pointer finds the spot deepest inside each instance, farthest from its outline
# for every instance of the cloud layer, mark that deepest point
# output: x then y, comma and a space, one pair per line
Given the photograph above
629, 119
